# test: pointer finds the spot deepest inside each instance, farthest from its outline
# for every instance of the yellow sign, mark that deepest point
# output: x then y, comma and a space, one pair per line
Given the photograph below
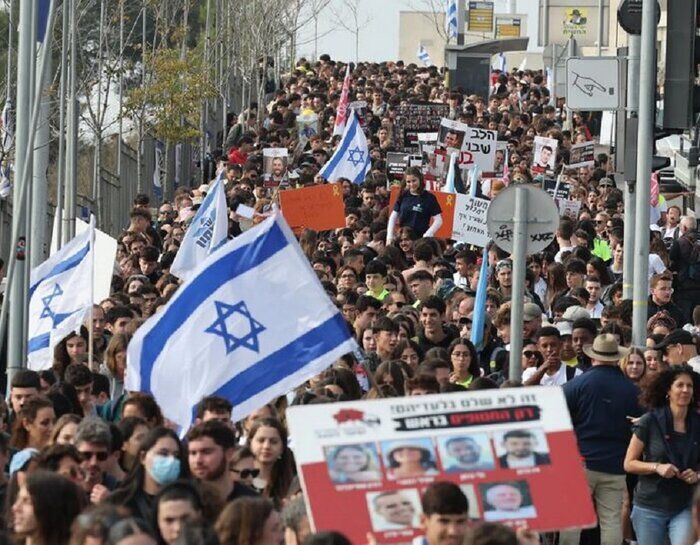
575, 22
508, 27
480, 17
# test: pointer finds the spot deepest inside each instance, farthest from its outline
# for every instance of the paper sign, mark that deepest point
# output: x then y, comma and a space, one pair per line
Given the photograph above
582, 155
477, 147
413, 120
514, 443
569, 208
469, 223
318, 207
245, 211
545, 156
562, 192
447, 204
275, 161
396, 164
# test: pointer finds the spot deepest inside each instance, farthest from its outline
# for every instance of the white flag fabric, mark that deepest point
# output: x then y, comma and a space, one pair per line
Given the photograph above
351, 158
239, 328
7, 129
60, 296
208, 230
423, 55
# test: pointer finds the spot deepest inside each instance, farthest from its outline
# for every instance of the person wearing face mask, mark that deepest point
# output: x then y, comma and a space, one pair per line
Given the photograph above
159, 464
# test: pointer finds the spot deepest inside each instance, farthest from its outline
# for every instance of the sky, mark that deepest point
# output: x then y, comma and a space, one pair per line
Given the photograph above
379, 37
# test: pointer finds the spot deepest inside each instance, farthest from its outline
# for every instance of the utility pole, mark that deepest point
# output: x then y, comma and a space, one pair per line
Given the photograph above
461, 12
72, 144
140, 146
17, 292
645, 137
633, 46
99, 117
60, 178
121, 92
601, 12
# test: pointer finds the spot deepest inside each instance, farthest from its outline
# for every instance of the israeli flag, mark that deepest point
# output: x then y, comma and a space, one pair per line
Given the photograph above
60, 296
238, 328
208, 230
451, 18
351, 159
423, 55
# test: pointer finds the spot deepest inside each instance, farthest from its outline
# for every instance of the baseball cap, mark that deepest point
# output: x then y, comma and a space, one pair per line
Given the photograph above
21, 459
531, 312
565, 328
575, 312
606, 182
677, 336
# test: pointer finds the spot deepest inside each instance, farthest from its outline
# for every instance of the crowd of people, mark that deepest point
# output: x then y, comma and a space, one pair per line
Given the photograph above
92, 463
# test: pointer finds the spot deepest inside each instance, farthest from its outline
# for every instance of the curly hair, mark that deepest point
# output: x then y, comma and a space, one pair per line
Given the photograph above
654, 395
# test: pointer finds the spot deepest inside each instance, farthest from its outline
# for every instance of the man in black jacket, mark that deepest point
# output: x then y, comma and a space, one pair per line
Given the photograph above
687, 290
660, 298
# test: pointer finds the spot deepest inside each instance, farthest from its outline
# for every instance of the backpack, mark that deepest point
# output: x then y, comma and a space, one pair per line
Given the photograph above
694, 261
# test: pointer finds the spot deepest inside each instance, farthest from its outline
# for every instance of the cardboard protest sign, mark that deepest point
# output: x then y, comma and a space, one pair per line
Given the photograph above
414, 119
469, 224
447, 204
517, 443
582, 155
479, 150
318, 207
275, 161
545, 157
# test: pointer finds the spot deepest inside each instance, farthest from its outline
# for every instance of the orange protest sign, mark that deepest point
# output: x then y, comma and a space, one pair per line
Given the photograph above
318, 207
447, 204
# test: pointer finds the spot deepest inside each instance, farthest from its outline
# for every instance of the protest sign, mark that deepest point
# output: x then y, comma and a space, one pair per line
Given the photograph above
477, 147
414, 119
499, 162
447, 204
452, 134
545, 156
514, 442
318, 207
396, 164
562, 192
307, 124
360, 107
469, 223
275, 162
569, 208
582, 155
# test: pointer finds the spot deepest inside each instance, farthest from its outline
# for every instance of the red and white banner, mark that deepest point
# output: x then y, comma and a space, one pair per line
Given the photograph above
341, 116
509, 450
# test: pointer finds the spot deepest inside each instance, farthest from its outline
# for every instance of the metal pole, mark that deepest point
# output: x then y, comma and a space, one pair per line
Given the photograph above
10, 38
204, 113
633, 46
72, 141
647, 88
121, 91
16, 268
97, 163
139, 147
60, 178
461, 12
518, 289
601, 12
545, 23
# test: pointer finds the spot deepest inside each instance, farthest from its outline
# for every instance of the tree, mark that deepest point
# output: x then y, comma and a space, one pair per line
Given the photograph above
353, 22
434, 11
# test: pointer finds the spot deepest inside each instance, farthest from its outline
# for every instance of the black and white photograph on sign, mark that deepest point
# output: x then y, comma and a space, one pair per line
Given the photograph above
582, 155
451, 134
394, 509
518, 448
409, 458
357, 463
508, 500
396, 164
545, 156
463, 453
275, 164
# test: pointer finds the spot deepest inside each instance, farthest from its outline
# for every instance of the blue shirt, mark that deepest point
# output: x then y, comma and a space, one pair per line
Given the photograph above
415, 211
599, 402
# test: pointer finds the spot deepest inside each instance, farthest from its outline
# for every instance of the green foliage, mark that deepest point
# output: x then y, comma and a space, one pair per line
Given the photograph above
173, 94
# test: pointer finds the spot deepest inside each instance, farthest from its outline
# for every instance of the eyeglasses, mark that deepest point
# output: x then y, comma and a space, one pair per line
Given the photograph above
87, 455
245, 473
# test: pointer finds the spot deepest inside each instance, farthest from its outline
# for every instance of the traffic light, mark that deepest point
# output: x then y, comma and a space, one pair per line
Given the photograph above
681, 92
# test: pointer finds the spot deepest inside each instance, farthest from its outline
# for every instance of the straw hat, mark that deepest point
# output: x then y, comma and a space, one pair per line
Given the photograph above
605, 348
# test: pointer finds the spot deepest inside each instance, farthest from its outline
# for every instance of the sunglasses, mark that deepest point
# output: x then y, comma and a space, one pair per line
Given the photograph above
246, 473
530, 354
87, 455
464, 321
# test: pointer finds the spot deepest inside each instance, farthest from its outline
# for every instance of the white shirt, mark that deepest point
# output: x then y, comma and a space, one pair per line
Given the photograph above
460, 281
656, 266
596, 311
557, 379
541, 289
694, 362
563, 249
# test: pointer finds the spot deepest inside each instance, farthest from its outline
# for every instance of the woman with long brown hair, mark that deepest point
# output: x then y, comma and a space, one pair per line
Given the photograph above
415, 207
34, 423
250, 521
267, 440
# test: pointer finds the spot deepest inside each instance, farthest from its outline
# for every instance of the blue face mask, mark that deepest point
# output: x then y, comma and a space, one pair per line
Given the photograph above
164, 469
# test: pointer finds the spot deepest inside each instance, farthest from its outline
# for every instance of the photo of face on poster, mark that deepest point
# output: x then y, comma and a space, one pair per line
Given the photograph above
545, 156
451, 134
275, 162
409, 458
357, 463
500, 160
507, 501
518, 448
463, 453
394, 509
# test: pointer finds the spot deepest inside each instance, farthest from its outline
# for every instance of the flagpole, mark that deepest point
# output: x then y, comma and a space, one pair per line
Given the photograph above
15, 273
60, 178
72, 137
91, 332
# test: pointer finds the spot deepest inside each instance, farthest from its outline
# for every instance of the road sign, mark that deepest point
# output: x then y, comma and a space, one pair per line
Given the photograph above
593, 83
629, 16
541, 222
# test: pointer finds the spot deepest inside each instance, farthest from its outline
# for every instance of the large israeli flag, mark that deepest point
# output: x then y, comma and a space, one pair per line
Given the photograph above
60, 297
351, 159
208, 230
251, 324
451, 18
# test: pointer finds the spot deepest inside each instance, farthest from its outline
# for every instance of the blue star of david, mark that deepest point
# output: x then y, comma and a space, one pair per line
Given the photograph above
360, 156
47, 312
225, 311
